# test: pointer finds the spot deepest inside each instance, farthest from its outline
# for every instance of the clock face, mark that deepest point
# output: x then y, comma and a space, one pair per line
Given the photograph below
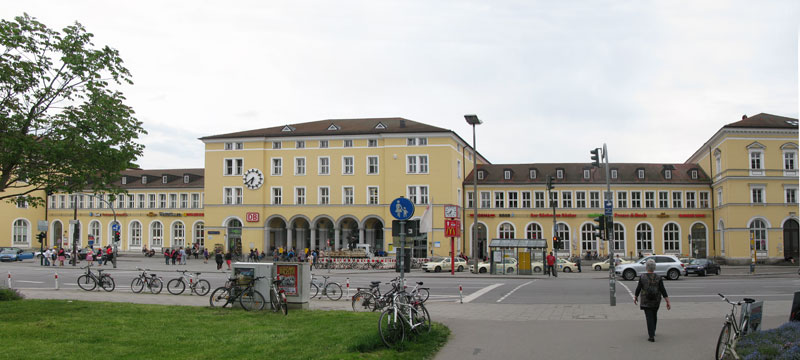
253, 179
451, 211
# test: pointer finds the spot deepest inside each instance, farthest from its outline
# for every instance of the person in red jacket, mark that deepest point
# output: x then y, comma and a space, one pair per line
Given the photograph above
551, 265
109, 254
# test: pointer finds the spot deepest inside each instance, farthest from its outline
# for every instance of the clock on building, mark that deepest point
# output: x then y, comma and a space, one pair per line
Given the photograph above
253, 179
451, 211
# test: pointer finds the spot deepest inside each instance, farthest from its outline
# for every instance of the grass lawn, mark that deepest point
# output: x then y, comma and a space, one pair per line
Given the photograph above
62, 329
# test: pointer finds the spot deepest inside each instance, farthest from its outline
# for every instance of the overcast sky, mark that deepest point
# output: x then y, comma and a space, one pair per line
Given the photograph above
550, 79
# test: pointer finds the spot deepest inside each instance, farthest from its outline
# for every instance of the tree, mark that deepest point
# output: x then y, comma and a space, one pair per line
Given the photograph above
63, 125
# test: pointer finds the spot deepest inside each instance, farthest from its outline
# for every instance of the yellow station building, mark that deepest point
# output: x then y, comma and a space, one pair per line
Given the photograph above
327, 185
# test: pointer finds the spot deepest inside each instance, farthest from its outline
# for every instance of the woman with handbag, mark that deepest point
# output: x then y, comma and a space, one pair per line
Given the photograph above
651, 287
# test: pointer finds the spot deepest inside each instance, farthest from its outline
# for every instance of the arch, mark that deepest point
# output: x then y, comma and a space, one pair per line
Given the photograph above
533, 228
506, 230
95, 233
588, 242
134, 234
342, 218
790, 217
56, 233
155, 234
297, 217
363, 223
228, 219
620, 242
698, 249
644, 237
671, 237
754, 218
177, 233
481, 243
199, 233
563, 232
791, 239
21, 232
319, 218
759, 231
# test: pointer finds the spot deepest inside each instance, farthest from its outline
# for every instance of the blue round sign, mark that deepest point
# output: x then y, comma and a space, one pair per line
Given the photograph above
115, 227
401, 208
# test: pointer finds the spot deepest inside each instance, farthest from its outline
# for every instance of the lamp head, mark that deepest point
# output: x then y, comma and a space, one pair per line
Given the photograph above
473, 119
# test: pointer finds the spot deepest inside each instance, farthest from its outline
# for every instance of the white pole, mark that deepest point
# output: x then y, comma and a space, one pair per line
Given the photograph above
9, 280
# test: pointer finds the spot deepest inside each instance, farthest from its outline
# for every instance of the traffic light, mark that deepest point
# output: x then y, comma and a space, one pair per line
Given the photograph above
40, 236
549, 183
600, 228
556, 243
116, 236
595, 157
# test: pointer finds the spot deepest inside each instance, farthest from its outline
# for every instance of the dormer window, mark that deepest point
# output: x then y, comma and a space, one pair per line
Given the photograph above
301, 144
507, 174
144, 179
694, 174
185, 179
276, 144
560, 173
586, 174
668, 174
480, 175
287, 128
640, 173
613, 173
532, 173
333, 127
164, 179
124, 180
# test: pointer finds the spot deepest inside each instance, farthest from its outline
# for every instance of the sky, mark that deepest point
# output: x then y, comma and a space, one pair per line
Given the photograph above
550, 79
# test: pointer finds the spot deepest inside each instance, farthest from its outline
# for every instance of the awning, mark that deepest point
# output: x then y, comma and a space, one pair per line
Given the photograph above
518, 243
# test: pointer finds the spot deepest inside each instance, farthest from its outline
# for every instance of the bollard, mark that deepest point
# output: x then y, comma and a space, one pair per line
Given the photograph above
461, 293
9, 280
56, 277
348, 287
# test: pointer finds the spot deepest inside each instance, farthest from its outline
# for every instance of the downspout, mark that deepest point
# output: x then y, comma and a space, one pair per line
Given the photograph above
713, 204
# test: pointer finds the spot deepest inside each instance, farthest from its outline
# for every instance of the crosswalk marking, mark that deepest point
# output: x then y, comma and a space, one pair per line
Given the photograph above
481, 292
512, 291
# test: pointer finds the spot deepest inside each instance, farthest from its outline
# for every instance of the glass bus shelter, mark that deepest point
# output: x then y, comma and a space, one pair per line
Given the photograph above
514, 256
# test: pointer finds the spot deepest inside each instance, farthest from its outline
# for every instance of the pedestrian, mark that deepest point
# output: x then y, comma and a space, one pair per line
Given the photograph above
174, 256
578, 262
218, 259
99, 256
109, 255
551, 261
167, 256
205, 255
182, 256
228, 257
90, 256
651, 287
312, 260
617, 261
61, 256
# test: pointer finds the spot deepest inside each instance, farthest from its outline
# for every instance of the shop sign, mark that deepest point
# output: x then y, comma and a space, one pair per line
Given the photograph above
288, 274
152, 214
169, 214
633, 215
212, 232
192, 214
691, 215
482, 215
252, 217
662, 216
452, 228
505, 215
551, 215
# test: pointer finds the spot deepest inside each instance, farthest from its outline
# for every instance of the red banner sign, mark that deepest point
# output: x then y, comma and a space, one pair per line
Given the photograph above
452, 228
252, 217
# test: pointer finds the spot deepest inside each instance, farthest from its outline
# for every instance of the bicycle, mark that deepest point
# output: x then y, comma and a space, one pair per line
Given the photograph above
332, 290
249, 298
177, 285
104, 280
152, 282
394, 321
727, 344
277, 297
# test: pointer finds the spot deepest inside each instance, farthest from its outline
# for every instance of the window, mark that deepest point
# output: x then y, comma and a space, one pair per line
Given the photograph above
458, 169
539, 200
299, 166
486, 200
694, 174
144, 179
21, 203
672, 239
323, 144
121, 201
677, 202
533, 231
195, 201
164, 179
300, 195
757, 194
588, 242
562, 231
566, 199
691, 200
411, 142
324, 165
80, 201
789, 162
152, 200
372, 195
173, 201
755, 159
507, 174
526, 199
418, 164
277, 166
499, 199
228, 146
758, 232
277, 195
232, 167
663, 199
704, 199
649, 199
239, 146
506, 231
553, 199
124, 180
532, 173
560, 173
480, 175
156, 234
178, 234
470, 199
232, 195
668, 174
419, 194
347, 195
136, 234
636, 199
613, 173
52, 199
460, 199
324, 195
131, 201
348, 143
162, 201
422, 141
586, 174
619, 238
594, 199
513, 199
719, 196
199, 233
300, 144
580, 199
640, 173
372, 165
347, 165
790, 195
276, 145
62, 203
20, 233
372, 143
718, 161
644, 237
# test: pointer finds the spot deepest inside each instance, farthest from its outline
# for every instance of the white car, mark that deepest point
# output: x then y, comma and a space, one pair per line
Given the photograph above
561, 264
484, 267
666, 265
603, 265
439, 263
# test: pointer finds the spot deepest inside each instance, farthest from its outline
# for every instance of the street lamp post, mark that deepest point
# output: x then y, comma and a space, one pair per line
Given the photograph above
473, 120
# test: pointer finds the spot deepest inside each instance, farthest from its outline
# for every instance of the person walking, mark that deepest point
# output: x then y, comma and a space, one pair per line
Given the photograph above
109, 255
205, 255
167, 256
99, 256
61, 256
174, 255
90, 256
228, 257
182, 256
551, 262
651, 287
578, 262
218, 259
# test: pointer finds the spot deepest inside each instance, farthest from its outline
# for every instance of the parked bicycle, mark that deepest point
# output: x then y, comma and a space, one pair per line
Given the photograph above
154, 283
90, 281
177, 285
249, 298
732, 330
371, 299
277, 297
403, 316
332, 290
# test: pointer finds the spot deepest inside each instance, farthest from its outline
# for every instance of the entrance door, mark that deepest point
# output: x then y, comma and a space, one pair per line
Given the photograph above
482, 249
699, 241
791, 244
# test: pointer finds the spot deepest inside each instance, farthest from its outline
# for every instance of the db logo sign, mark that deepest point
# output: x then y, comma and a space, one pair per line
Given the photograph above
252, 217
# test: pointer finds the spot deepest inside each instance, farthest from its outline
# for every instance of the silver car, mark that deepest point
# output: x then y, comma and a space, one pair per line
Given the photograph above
666, 265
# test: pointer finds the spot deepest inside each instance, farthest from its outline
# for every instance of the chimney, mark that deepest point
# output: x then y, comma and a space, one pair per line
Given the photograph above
744, 116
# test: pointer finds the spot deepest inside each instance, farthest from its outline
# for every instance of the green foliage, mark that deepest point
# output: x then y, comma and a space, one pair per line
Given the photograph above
136, 331
63, 125
7, 294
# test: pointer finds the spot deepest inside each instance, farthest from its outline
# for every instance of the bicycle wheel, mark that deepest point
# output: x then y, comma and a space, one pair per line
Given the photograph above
176, 286
314, 291
202, 287
423, 294
107, 283
274, 300
284, 304
252, 300
363, 302
86, 282
333, 291
724, 341
219, 297
392, 330
156, 285
137, 285
422, 319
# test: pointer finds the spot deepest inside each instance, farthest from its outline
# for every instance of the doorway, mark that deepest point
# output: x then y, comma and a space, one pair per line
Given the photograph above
791, 244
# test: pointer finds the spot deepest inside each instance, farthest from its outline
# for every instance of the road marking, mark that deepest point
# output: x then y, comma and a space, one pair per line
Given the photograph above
729, 295
628, 289
480, 292
29, 282
512, 291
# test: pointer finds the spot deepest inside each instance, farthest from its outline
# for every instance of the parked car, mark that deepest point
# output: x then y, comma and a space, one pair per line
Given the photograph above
666, 265
484, 267
9, 254
603, 265
561, 264
686, 260
701, 267
438, 263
